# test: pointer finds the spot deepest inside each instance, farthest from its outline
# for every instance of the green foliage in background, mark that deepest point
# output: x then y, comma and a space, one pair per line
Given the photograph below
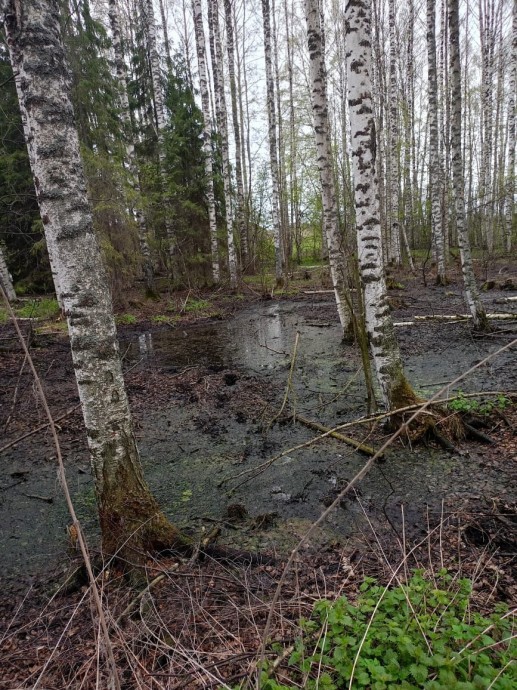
484, 407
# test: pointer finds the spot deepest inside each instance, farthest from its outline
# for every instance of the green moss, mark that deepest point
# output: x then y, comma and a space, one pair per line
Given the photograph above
46, 308
126, 319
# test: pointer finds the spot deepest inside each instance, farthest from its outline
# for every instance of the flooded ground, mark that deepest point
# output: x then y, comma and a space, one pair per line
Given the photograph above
204, 396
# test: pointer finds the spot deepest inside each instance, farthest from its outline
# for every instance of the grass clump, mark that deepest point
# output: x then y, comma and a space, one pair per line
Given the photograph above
126, 319
196, 305
46, 308
419, 635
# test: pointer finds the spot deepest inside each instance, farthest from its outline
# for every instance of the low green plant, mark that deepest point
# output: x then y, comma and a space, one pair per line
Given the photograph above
196, 305
419, 635
163, 318
461, 403
46, 308
4, 316
126, 319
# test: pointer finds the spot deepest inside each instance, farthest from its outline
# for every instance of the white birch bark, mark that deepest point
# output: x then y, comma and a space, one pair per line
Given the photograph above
237, 133
120, 67
471, 291
165, 35
379, 324
216, 53
199, 33
512, 106
129, 516
435, 169
273, 147
335, 241
5, 279
394, 143
161, 123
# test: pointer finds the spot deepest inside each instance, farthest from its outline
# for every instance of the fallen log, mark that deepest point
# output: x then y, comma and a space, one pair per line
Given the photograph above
361, 447
453, 318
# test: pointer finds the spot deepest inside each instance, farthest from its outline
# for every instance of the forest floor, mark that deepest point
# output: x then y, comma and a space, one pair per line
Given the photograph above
206, 373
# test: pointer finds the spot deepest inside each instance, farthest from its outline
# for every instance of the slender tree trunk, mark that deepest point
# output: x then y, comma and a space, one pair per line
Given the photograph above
510, 184
335, 241
161, 123
130, 519
273, 147
471, 291
207, 135
388, 363
5, 279
222, 126
394, 143
435, 169
165, 35
237, 133
120, 67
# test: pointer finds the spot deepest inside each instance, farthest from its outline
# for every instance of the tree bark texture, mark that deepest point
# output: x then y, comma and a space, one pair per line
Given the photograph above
471, 291
216, 53
5, 279
130, 519
334, 239
207, 134
386, 354
273, 145
435, 169
394, 252
512, 106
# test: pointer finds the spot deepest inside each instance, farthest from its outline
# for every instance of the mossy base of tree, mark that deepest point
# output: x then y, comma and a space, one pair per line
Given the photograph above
433, 423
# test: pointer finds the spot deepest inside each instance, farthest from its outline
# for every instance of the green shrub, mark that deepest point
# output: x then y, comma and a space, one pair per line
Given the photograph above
418, 635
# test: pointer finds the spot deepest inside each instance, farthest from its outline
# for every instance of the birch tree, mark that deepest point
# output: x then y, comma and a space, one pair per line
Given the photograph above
273, 145
131, 522
5, 279
161, 122
395, 389
120, 66
471, 290
434, 145
216, 53
318, 79
394, 253
512, 104
237, 133
207, 134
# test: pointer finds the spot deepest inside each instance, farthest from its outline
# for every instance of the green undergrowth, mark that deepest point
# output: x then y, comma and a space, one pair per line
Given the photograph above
126, 319
423, 634
46, 308
462, 403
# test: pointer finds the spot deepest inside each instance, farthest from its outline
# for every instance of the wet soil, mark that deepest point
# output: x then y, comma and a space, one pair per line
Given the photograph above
204, 394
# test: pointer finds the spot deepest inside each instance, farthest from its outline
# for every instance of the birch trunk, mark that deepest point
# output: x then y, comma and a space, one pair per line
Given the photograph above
237, 133
207, 133
335, 241
6, 280
394, 143
130, 519
161, 123
216, 53
120, 66
273, 147
386, 354
435, 170
471, 291
510, 193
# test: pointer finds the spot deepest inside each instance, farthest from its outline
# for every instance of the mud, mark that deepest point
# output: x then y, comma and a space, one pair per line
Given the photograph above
203, 396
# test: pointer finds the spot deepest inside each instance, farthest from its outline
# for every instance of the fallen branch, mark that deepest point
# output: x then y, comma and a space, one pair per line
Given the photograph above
361, 447
505, 300
453, 318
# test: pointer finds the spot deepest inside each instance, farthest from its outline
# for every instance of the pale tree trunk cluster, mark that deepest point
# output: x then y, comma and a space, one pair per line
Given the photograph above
5, 279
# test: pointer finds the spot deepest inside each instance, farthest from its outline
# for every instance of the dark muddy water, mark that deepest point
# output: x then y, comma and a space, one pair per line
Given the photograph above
189, 448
